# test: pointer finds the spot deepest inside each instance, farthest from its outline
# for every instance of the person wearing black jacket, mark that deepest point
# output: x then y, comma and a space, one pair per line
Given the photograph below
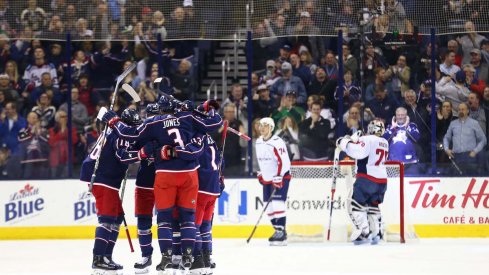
313, 136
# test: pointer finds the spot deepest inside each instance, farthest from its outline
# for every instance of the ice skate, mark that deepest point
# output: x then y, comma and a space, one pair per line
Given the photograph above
279, 238
208, 262
102, 266
185, 264
165, 266
143, 265
198, 266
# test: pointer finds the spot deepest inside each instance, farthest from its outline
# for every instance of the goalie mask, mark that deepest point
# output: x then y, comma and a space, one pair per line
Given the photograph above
131, 117
376, 127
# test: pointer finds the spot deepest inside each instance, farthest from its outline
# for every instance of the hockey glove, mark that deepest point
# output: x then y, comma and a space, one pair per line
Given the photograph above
260, 178
187, 105
356, 136
108, 116
146, 152
338, 141
167, 152
278, 182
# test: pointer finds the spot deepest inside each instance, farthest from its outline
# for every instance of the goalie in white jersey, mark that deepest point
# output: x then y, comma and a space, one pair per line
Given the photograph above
274, 163
370, 152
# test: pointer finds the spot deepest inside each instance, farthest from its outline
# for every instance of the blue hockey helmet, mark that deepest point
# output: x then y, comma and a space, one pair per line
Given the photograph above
166, 104
152, 109
131, 117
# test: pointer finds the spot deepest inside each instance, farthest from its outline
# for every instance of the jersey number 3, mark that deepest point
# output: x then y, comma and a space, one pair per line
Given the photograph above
178, 137
382, 156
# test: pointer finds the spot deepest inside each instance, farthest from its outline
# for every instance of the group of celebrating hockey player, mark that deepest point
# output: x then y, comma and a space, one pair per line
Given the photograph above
179, 175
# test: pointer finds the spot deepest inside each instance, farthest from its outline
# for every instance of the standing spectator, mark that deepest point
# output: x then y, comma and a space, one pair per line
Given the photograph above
424, 97
322, 87
232, 154
349, 61
485, 50
399, 75
240, 101
420, 117
456, 92
80, 65
351, 92
34, 148
10, 125
472, 40
380, 80
481, 69
33, 16
307, 34
471, 80
183, 81
10, 94
58, 142
45, 110
402, 135
33, 72
289, 132
453, 46
46, 87
79, 112
87, 96
313, 136
381, 106
289, 82
444, 117
448, 66
353, 121
372, 61
299, 70
284, 53
263, 104
477, 112
467, 140
288, 107
12, 71
325, 112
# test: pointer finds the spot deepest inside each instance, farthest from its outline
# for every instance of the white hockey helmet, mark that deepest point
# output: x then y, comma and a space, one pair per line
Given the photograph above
268, 121
376, 127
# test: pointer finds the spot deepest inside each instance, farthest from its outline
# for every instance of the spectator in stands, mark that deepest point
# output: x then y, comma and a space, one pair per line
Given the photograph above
349, 61
10, 125
183, 81
380, 80
46, 87
307, 33
397, 15
331, 66
263, 104
288, 107
4, 49
34, 148
322, 87
80, 64
351, 92
381, 106
240, 102
146, 93
289, 82
45, 110
34, 16
87, 96
420, 117
326, 113
472, 40
299, 70
454, 92
372, 61
353, 121
158, 26
464, 141
477, 112
306, 60
471, 81
481, 69
70, 17
233, 165
289, 132
403, 136
8, 17
444, 117
58, 142
142, 58
448, 66
399, 75
453, 46
485, 50
55, 29
33, 73
424, 97
106, 64
485, 98
271, 72
11, 70
10, 94
284, 53
313, 136
79, 112
82, 31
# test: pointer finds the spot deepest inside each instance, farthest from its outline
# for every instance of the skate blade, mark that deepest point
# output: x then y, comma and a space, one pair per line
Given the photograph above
360, 242
104, 272
198, 271
166, 272
375, 241
141, 270
284, 243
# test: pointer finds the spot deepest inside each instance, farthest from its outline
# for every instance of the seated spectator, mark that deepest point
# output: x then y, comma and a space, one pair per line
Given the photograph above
464, 141
33, 72
330, 66
82, 31
455, 92
424, 97
313, 136
12, 71
10, 125
80, 65
403, 135
291, 82
233, 152
469, 41
33, 16
46, 87
307, 61
349, 61
240, 101
353, 122
381, 106
183, 81
453, 46
399, 75
4, 163
380, 80
306, 32
58, 142
288, 107
477, 112
79, 112
45, 110
263, 104
284, 53
481, 69
299, 70
87, 95
325, 112
448, 67
34, 148
420, 117
351, 92
372, 61
289, 132
485, 50
10, 94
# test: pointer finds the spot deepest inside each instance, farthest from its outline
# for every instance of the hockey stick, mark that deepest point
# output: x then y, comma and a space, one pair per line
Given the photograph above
130, 90
123, 189
112, 103
223, 143
261, 215
241, 135
336, 168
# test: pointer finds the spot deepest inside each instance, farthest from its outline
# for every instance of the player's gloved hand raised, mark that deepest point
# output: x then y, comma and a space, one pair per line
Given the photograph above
278, 182
187, 105
167, 152
110, 118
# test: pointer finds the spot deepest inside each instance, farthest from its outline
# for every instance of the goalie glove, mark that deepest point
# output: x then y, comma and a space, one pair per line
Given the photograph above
356, 136
278, 182
342, 142
167, 152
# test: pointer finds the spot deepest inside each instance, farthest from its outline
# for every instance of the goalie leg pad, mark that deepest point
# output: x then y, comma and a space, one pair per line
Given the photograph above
375, 223
358, 215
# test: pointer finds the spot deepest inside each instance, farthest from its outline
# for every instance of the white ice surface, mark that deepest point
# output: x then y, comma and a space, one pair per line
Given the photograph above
235, 257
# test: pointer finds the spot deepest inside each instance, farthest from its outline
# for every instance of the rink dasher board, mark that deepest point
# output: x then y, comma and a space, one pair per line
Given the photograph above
435, 207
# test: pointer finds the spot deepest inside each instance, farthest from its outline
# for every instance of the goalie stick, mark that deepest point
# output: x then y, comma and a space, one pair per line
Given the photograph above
261, 215
336, 169
119, 79
123, 188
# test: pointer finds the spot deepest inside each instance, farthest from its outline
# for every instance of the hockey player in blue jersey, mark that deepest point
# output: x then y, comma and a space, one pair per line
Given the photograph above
176, 180
370, 152
114, 160
403, 136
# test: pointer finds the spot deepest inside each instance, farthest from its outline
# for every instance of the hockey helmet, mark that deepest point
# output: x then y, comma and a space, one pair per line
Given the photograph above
268, 121
376, 127
166, 104
131, 117
152, 109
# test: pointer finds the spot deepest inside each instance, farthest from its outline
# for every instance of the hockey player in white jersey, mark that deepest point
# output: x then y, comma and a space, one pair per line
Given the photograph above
274, 163
370, 152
